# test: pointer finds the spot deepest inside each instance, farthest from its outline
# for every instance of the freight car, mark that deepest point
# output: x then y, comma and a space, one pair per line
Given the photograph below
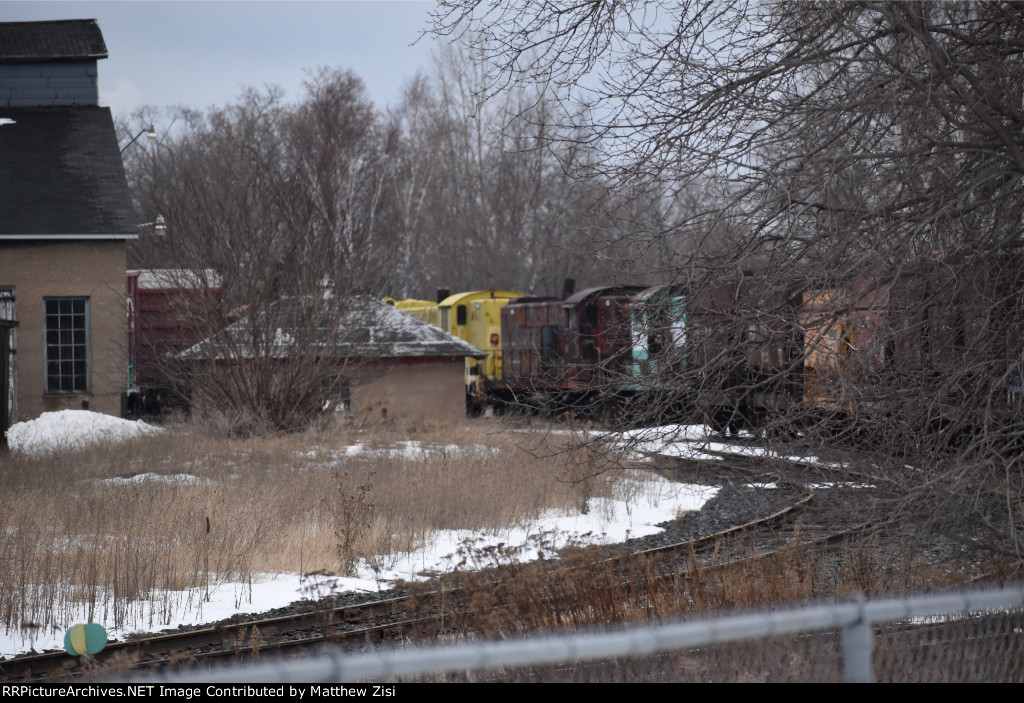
158, 327
897, 350
721, 350
567, 353
529, 331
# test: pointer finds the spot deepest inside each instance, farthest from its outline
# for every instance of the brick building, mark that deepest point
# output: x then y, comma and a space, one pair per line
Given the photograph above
65, 218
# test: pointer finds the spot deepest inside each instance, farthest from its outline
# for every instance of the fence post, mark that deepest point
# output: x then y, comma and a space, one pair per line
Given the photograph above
858, 640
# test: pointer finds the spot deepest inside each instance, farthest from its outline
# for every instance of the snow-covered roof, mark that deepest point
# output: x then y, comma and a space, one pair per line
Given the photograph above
358, 327
173, 279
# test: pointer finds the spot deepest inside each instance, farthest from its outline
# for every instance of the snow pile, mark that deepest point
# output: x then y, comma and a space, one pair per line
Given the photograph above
72, 430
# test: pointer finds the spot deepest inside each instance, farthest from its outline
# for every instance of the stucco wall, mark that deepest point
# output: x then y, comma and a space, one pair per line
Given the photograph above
93, 269
432, 391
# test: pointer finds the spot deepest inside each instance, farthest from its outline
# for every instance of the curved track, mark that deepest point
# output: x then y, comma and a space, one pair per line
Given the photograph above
400, 616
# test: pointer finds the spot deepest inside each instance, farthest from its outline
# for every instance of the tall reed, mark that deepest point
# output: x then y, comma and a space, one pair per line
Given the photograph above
136, 530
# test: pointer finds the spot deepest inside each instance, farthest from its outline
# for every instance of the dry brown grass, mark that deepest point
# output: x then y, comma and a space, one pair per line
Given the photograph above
301, 503
574, 594
292, 503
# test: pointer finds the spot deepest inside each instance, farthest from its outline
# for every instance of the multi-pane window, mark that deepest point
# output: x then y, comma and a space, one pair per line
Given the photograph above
67, 345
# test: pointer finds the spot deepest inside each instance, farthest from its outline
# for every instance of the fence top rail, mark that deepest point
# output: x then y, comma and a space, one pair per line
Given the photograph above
640, 641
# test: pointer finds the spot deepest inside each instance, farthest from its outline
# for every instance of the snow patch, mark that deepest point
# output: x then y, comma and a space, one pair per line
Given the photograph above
172, 479
413, 450
694, 442
72, 430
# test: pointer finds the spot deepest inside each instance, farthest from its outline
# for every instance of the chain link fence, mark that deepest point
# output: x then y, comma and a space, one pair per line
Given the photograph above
963, 637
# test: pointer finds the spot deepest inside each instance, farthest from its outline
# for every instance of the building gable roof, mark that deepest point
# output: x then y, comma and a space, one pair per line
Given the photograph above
362, 328
59, 40
61, 175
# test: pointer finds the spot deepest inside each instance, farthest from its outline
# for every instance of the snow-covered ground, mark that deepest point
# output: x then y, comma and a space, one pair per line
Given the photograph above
646, 502
412, 450
642, 501
696, 442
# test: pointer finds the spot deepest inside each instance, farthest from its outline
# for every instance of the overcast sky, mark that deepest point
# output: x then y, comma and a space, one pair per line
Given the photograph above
203, 53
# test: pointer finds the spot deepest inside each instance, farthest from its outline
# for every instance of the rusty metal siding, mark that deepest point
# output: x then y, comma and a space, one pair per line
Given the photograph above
530, 332
596, 333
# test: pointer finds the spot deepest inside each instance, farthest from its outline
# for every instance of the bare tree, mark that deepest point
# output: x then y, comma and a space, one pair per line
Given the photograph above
868, 153
266, 202
814, 117
489, 202
342, 161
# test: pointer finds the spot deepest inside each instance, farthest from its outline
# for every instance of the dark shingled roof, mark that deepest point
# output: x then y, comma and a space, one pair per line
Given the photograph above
365, 329
60, 40
61, 175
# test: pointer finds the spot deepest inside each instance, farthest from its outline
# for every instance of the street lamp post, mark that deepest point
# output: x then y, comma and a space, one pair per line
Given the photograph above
148, 131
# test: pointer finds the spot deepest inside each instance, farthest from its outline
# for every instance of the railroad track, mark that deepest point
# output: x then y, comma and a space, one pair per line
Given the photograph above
228, 638
379, 620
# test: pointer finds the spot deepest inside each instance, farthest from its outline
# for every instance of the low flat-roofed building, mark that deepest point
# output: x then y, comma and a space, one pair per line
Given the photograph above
390, 364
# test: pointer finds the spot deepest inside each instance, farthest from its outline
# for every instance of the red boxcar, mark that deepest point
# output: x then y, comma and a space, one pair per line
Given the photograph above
163, 307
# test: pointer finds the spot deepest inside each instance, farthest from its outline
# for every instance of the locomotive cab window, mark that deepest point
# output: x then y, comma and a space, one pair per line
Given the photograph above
460, 315
66, 324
